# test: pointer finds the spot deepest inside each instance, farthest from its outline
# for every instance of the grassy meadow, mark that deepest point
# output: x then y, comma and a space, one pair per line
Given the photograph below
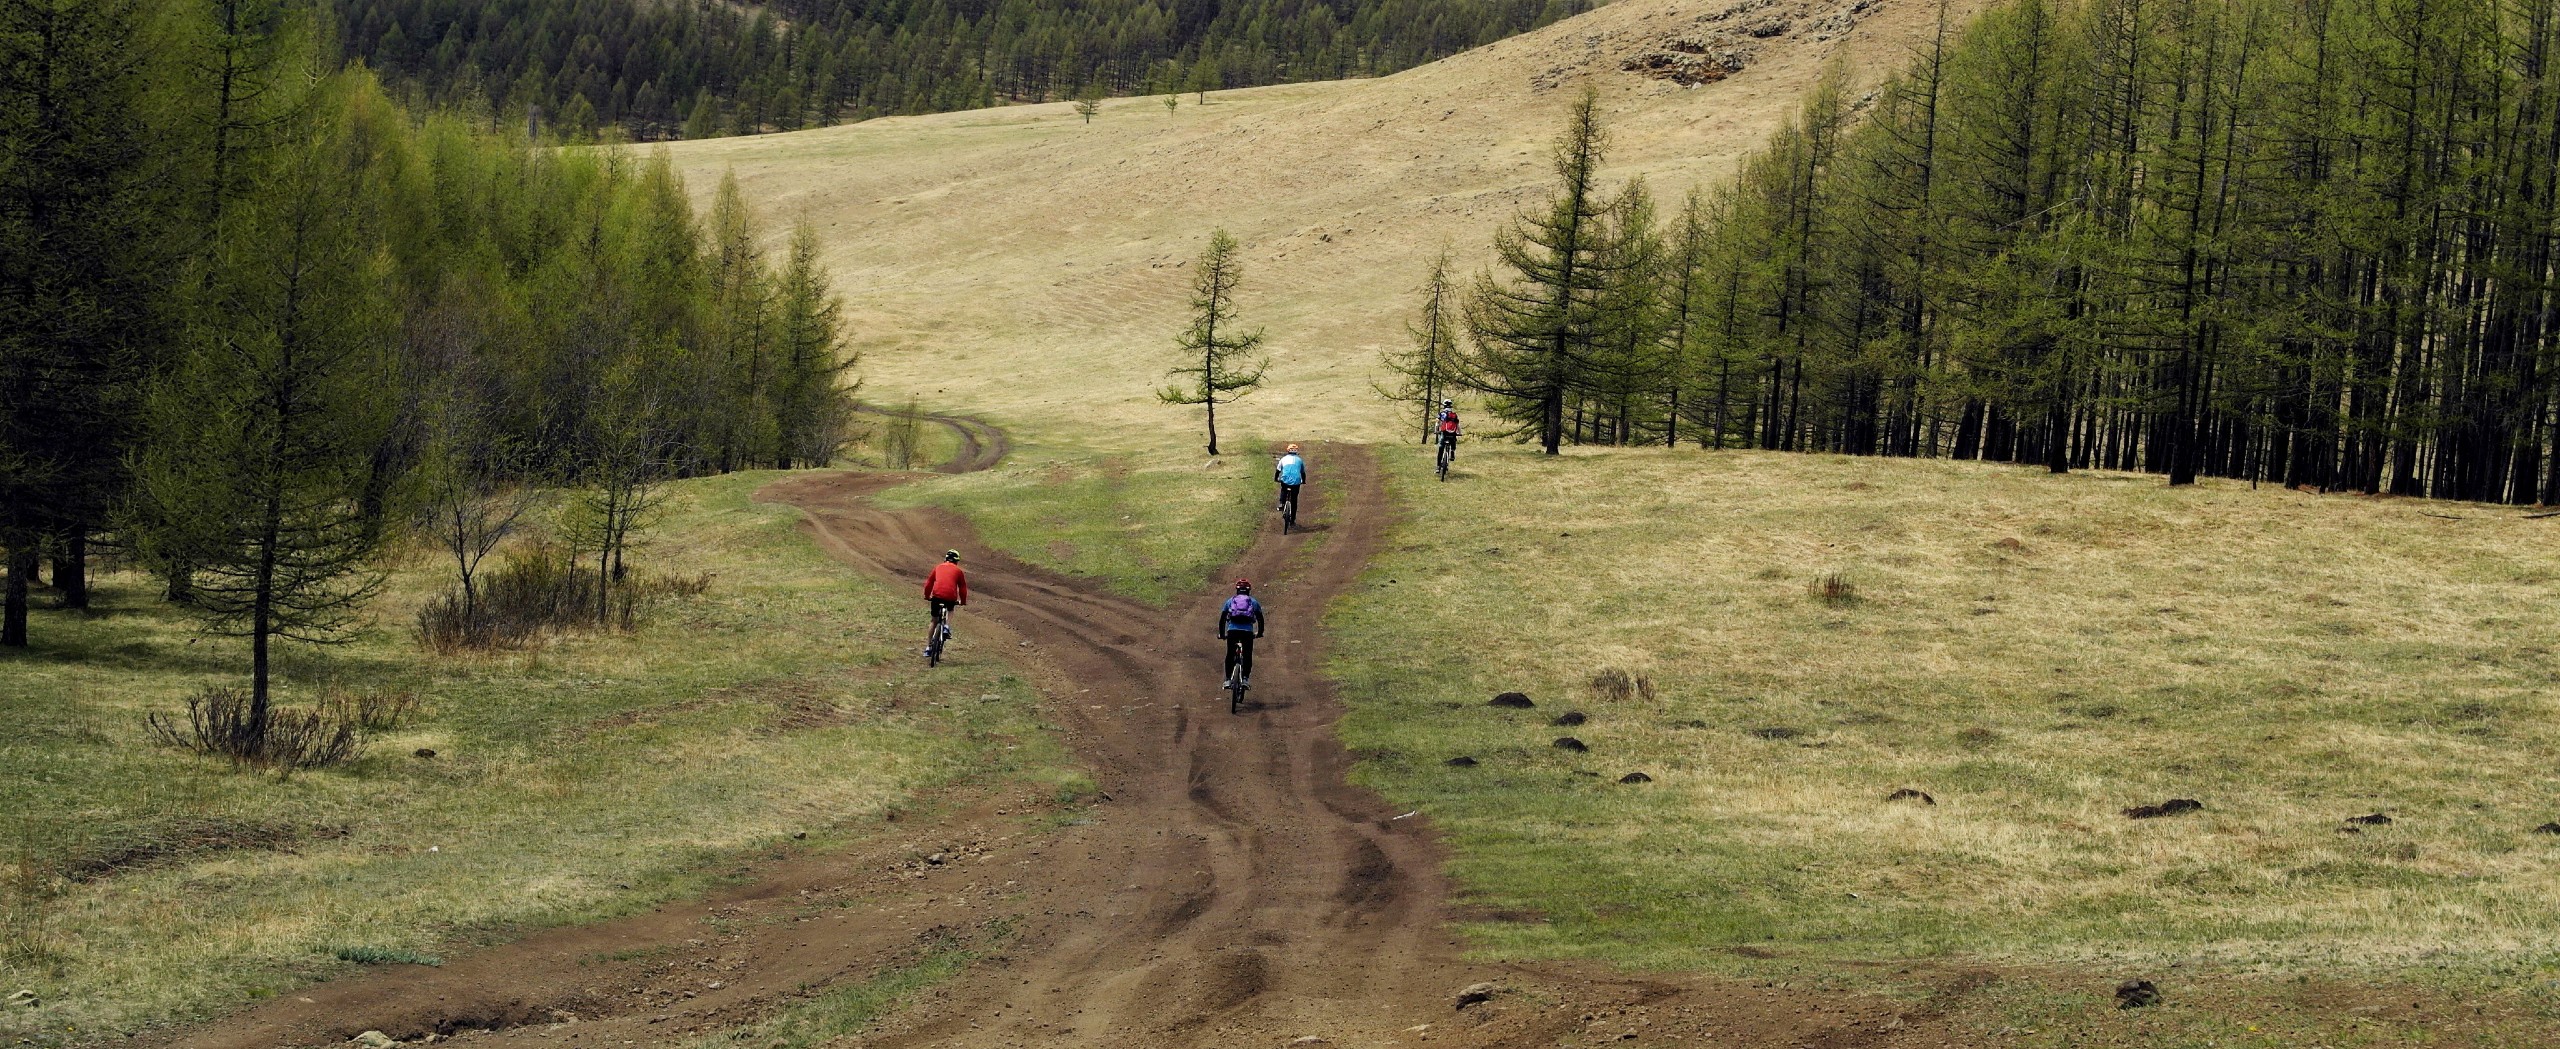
1802, 636
1152, 525
576, 780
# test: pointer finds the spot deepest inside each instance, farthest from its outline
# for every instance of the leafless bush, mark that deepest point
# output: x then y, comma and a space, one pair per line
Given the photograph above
375, 711
543, 590
1833, 588
219, 723
1619, 686
539, 589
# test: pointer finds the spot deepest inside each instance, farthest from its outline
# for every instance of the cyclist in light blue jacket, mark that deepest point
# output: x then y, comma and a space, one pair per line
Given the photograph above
1291, 473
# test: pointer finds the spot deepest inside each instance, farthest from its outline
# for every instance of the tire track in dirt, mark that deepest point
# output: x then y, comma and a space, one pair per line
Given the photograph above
1232, 890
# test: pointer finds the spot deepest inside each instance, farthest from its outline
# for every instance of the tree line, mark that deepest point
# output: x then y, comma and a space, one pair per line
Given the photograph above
700, 68
2309, 242
258, 321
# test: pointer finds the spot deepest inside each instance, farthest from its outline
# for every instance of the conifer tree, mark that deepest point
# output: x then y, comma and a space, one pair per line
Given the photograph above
1228, 367
1539, 329
267, 429
83, 265
1424, 372
740, 306
814, 406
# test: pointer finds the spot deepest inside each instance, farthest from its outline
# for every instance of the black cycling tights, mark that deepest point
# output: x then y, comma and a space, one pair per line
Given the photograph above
1240, 651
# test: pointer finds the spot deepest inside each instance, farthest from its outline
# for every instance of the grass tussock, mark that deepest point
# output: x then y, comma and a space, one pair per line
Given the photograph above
583, 775
1834, 589
2056, 650
1152, 525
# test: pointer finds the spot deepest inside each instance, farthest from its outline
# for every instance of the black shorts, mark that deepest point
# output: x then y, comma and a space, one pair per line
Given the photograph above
1289, 493
941, 607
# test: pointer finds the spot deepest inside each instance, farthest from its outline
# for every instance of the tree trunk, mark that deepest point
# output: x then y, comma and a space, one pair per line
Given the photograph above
2057, 443
13, 611
71, 571
1213, 424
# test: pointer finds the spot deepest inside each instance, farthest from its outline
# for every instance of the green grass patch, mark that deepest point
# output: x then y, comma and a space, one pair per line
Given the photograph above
585, 778
1150, 525
2037, 653
840, 1011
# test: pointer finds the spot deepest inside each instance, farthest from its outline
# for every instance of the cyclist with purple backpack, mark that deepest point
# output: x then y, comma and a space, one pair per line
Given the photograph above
1240, 621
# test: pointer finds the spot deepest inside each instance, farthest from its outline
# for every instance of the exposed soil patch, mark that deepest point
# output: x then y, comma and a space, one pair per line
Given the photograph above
2171, 807
115, 849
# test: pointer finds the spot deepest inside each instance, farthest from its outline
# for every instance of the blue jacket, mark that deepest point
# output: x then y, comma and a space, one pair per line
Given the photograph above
1293, 470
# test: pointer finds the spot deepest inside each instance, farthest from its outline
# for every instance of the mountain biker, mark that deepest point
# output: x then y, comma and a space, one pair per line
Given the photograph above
945, 587
1449, 426
1291, 473
1240, 621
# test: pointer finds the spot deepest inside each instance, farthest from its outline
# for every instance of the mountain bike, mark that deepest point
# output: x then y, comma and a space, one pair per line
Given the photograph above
1448, 451
1235, 685
935, 638
1288, 514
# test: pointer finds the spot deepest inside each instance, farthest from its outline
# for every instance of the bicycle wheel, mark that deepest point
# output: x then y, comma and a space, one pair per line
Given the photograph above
933, 648
1235, 693
1288, 517
1446, 453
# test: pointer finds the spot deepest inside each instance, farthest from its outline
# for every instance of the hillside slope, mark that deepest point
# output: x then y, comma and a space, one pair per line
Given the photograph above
1022, 262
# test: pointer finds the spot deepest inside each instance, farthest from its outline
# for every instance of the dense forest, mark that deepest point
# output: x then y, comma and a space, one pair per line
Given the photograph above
2309, 242
259, 324
659, 69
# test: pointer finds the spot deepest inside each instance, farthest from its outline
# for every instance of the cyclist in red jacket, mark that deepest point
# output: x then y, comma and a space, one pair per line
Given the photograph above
945, 587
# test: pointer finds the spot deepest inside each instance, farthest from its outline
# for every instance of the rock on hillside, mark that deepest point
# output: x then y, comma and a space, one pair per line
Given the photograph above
1021, 262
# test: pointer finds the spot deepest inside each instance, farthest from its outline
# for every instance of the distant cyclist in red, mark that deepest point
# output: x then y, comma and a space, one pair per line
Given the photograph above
945, 587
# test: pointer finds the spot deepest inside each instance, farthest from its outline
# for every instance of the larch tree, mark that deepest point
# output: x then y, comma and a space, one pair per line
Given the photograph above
1228, 365
83, 268
1538, 328
268, 427
1424, 372
814, 404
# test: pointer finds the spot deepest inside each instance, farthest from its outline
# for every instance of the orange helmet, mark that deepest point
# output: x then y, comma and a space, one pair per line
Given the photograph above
1293, 448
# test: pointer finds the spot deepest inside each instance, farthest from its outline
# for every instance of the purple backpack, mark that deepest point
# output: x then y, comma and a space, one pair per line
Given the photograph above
1242, 611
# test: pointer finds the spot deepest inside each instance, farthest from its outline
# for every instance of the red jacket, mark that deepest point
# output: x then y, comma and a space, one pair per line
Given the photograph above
946, 583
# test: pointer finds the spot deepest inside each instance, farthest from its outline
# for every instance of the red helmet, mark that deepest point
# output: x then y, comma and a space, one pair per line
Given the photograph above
1244, 586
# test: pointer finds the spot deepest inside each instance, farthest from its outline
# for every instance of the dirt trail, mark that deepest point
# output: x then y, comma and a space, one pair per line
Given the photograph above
1232, 889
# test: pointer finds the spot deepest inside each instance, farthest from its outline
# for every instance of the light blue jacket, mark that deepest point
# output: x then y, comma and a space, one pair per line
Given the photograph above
1293, 470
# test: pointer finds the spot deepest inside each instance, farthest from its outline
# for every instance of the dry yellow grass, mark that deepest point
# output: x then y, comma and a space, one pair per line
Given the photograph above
1022, 263
2037, 653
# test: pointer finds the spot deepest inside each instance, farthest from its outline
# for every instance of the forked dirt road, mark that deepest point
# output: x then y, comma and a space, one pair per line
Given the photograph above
1232, 890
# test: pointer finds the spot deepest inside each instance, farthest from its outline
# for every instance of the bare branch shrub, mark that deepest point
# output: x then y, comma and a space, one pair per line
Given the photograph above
219, 723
